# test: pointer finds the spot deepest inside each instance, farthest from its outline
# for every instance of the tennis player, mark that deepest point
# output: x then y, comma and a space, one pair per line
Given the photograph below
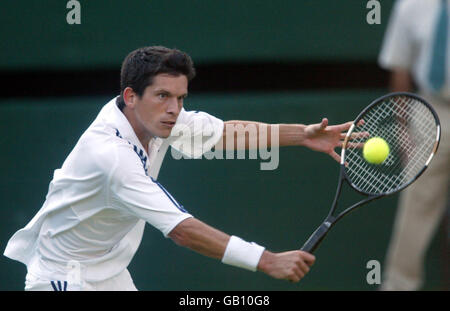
93, 218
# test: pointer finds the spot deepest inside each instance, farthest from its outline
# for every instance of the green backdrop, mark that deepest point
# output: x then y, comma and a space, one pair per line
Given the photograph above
278, 209
35, 33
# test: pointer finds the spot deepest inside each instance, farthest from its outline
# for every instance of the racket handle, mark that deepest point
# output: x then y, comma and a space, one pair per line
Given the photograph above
317, 237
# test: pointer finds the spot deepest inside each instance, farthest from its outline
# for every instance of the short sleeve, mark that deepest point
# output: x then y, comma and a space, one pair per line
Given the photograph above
135, 193
195, 133
397, 50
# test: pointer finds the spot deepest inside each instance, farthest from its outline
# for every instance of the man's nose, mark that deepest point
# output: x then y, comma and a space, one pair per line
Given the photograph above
173, 106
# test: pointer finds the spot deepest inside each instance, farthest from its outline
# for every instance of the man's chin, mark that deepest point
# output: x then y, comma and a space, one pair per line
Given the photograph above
164, 134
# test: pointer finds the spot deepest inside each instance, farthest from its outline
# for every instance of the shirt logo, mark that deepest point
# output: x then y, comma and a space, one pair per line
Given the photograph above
138, 151
143, 159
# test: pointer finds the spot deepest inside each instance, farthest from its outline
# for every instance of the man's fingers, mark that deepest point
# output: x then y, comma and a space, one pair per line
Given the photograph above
299, 273
320, 126
324, 123
294, 278
355, 145
344, 126
295, 275
310, 262
356, 135
308, 258
348, 124
335, 156
303, 266
291, 265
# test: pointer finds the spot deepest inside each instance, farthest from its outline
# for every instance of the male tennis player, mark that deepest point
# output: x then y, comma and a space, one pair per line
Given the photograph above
92, 221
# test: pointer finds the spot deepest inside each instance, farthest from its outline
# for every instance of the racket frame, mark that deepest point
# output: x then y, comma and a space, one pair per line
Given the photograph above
319, 234
360, 117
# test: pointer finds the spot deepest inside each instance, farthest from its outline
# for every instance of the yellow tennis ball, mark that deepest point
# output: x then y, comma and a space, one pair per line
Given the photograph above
375, 150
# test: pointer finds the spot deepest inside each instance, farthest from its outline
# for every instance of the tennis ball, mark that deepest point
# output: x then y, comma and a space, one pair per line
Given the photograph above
375, 150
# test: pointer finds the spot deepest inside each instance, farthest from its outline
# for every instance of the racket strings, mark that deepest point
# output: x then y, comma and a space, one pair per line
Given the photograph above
398, 130
407, 149
409, 128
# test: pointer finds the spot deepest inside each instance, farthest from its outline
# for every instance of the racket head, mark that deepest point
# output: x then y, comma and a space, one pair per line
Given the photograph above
410, 126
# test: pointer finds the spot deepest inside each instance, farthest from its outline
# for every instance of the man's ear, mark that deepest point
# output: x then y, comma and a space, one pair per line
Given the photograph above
129, 97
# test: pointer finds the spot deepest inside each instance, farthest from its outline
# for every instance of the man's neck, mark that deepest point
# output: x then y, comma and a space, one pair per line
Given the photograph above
142, 135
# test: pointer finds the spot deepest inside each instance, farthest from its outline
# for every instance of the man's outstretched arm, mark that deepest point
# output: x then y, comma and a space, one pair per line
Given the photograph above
319, 137
208, 241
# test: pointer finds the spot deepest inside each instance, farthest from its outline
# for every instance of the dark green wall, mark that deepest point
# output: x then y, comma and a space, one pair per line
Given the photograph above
35, 34
278, 209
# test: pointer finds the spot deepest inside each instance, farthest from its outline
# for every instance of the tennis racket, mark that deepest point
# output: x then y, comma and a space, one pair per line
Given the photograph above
411, 128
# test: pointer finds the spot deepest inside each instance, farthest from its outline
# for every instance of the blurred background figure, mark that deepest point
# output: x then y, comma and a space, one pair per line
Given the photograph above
416, 52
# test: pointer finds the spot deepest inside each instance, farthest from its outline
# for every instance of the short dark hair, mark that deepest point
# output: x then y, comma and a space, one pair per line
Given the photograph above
141, 65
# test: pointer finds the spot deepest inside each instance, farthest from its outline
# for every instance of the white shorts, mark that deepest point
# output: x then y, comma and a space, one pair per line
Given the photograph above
121, 282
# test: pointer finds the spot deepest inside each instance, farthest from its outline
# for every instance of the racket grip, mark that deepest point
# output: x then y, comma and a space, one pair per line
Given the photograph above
317, 237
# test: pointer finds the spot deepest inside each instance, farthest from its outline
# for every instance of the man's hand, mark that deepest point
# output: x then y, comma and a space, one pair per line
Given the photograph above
324, 138
291, 266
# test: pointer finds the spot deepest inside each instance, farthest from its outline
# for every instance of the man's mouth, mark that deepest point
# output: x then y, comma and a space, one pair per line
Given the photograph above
168, 123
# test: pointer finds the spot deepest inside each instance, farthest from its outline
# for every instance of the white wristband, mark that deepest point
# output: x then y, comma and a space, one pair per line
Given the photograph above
242, 254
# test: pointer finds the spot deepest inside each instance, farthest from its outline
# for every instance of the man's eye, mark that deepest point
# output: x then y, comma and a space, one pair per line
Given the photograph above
162, 96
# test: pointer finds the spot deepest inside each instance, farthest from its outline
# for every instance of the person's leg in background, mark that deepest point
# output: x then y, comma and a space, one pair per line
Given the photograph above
420, 211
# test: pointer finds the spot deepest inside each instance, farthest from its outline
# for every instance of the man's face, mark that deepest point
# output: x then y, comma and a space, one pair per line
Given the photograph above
157, 110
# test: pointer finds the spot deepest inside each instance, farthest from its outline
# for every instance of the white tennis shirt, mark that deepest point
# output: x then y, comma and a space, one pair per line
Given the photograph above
408, 42
99, 200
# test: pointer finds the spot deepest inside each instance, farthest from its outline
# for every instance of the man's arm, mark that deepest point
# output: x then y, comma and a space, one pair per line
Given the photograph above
208, 241
289, 134
319, 137
401, 80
